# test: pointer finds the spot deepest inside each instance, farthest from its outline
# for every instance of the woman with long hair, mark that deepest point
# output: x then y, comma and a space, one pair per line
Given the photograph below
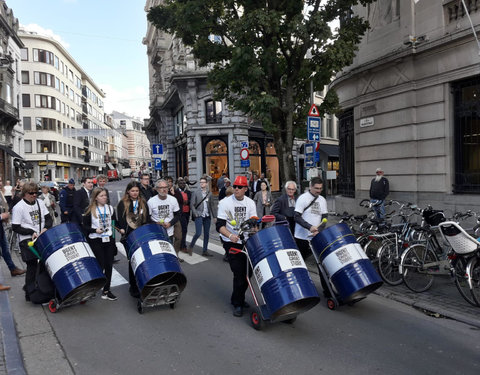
97, 225
263, 199
132, 212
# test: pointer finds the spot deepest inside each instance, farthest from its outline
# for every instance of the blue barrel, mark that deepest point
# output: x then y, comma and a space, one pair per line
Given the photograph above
70, 262
153, 259
281, 273
348, 267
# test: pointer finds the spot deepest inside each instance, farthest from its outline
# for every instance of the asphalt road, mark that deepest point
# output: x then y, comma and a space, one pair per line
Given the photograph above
200, 335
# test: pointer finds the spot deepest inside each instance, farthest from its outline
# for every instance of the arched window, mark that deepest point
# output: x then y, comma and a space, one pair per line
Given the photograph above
255, 157
216, 161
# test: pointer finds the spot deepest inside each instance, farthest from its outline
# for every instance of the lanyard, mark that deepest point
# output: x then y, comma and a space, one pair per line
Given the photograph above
135, 206
103, 217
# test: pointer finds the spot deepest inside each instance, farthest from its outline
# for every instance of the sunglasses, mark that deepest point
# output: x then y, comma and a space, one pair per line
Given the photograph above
32, 192
238, 187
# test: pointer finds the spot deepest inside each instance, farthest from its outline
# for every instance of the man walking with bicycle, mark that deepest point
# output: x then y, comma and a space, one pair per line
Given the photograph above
379, 189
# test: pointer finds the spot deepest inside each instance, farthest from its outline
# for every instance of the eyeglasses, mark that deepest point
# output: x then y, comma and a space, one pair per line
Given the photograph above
162, 187
32, 192
238, 187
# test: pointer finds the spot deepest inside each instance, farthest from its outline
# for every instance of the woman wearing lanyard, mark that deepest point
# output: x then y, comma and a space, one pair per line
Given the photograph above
132, 212
97, 224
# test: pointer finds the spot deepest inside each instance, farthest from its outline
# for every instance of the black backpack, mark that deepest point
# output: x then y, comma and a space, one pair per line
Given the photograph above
43, 289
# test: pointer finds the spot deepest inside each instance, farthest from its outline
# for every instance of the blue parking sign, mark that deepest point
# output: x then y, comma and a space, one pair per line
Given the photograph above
158, 164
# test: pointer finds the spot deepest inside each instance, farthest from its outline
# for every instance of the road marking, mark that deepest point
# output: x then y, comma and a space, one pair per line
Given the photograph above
117, 279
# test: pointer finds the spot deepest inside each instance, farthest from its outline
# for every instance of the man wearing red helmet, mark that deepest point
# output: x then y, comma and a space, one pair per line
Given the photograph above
232, 212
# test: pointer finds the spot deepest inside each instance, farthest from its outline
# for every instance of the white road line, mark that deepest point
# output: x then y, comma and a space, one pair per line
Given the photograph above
117, 279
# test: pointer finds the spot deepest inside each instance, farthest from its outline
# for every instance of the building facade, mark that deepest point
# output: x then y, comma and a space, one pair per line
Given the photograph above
62, 113
411, 105
12, 164
139, 157
201, 136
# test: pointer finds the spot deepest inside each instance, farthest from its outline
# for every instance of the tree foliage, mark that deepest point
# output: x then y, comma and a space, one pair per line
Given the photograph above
265, 55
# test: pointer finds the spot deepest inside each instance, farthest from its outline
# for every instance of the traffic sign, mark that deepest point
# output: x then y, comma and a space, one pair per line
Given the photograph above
244, 154
314, 125
314, 111
158, 164
157, 149
309, 150
245, 163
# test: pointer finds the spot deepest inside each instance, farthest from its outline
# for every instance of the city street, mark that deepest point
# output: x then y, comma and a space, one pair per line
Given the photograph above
200, 335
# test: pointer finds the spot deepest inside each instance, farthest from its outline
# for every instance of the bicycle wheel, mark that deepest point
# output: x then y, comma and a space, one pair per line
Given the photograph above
414, 274
371, 249
461, 282
476, 280
388, 262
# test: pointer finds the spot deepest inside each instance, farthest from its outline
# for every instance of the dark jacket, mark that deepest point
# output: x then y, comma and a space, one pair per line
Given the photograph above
147, 192
179, 196
379, 190
81, 201
122, 219
66, 199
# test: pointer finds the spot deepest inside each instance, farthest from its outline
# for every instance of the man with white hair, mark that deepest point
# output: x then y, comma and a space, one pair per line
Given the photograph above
284, 207
379, 189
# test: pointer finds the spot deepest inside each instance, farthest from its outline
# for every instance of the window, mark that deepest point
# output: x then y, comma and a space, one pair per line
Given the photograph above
179, 123
44, 79
41, 55
28, 146
25, 77
346, 177
46, 147
45, 123
24, 55
27, 123
45, 101
26, 100
213, 111
273, 170
8, 93
466, 135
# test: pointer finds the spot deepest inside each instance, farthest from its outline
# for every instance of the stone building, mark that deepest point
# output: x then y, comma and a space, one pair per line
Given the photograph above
202, 136
12, 165
411, 105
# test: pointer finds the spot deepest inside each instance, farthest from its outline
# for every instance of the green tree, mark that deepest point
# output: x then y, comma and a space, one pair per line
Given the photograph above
265, 53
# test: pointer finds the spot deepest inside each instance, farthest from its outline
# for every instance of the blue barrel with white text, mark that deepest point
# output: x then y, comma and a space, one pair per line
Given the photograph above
153, 259
351, 273
281, 273
70, 263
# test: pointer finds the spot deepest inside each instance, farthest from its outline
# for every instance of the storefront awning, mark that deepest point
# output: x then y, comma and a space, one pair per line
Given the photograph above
110, 166
330, 150
10, 152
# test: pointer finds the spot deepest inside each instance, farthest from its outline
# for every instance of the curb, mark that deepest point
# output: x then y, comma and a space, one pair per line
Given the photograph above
11, 348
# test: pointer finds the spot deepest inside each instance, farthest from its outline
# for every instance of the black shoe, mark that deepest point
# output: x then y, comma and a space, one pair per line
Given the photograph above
238, 312
27, 297
206, 254
246, 305
135, 293
225, 258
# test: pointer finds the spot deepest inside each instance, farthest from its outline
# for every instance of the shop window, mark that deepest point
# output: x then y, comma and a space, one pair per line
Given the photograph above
216, 161
272, 173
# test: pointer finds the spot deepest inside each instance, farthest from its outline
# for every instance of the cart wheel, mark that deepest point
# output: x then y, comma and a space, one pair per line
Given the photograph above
331, 304
52, 306
139, 307
290, 321
256, 319
172, 305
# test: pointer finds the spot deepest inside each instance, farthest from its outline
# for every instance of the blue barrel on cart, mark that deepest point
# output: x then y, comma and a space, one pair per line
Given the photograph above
281, 273
70, 262
153, 259
351, 273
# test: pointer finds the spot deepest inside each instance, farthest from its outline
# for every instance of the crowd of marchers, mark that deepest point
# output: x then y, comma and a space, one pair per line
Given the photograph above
29, 209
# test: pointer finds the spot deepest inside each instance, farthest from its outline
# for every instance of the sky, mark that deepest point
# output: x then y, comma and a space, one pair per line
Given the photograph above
104, 37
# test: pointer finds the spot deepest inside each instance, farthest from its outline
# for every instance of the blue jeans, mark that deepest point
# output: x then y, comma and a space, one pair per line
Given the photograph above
199, 222
378, 208
5, 250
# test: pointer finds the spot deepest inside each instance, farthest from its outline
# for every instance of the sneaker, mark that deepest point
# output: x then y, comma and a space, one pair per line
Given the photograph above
109, 295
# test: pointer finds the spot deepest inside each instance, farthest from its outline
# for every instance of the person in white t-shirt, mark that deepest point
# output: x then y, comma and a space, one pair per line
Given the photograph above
237, 207
30, 218
8, 192
164, 209
310, 210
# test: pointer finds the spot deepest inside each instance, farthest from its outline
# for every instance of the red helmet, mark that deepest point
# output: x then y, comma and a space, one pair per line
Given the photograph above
241, 181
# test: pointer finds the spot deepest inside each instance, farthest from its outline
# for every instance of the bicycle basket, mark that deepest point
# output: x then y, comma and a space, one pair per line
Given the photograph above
434, 217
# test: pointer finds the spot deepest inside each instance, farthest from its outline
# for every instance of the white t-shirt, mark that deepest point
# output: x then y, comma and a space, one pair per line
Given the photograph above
28, 216
163, 209
103, 220
232, 209
312, 214
8, 190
